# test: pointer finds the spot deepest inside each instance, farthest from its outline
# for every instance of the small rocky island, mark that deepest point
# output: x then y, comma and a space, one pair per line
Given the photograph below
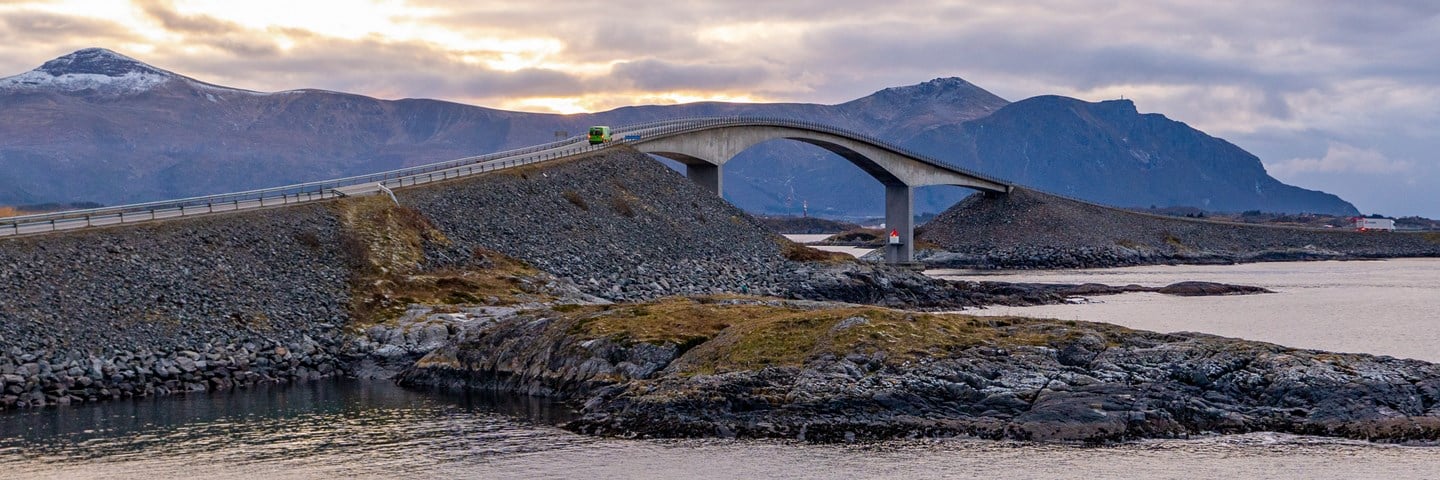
749, 367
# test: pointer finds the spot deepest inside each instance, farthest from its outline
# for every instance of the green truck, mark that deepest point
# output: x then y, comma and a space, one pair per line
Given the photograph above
599, 135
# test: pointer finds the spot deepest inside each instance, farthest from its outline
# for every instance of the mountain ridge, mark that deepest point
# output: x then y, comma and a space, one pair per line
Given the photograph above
138, 140
1141, 150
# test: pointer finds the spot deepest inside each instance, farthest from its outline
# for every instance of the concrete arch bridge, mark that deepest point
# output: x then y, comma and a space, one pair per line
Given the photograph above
704, 145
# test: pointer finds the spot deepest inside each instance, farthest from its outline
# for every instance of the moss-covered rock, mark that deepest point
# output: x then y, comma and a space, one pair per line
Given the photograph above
752, 367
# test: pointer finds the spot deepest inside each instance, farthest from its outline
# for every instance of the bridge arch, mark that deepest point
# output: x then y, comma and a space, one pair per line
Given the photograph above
706, 147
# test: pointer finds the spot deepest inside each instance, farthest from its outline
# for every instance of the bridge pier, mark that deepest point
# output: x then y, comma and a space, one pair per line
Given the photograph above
900, 217
705, 145
707, 175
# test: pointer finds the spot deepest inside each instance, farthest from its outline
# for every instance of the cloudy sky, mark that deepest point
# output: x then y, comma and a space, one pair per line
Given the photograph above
1335, 95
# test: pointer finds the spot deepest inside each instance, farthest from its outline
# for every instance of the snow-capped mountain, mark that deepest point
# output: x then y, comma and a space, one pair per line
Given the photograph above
95, 69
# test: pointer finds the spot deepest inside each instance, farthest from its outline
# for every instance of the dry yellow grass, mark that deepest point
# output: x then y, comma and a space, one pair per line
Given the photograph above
735, 337
381, 237
386, 247
801, 253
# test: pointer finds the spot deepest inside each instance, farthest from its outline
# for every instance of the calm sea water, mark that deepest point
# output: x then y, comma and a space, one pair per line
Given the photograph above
1389, 307
375, 430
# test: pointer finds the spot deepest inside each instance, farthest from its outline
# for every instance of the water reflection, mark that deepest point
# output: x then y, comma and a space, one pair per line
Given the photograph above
367, 419
376, 430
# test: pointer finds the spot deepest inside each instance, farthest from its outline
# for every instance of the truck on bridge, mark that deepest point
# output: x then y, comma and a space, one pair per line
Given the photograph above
599, 134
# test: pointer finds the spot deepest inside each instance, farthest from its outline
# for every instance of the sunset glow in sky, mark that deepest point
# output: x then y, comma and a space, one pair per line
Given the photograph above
1335, 95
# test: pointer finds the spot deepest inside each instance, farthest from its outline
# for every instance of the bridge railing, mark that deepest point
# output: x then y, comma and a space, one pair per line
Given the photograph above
326, 189
287, 194
712, 122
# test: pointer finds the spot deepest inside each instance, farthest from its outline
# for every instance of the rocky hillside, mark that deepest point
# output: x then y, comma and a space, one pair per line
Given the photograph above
73, 126
1029, 229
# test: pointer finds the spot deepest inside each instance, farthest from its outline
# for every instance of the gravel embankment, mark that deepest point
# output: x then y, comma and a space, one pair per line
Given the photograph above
185, 305
619, 224
1028, 229
624, 227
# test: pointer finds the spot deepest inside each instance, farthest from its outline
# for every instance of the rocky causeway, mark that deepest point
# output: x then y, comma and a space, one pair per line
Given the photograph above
657, 310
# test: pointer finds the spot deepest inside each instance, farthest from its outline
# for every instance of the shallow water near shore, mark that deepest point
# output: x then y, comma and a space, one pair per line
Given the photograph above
1382, 307
376, 430
358, 429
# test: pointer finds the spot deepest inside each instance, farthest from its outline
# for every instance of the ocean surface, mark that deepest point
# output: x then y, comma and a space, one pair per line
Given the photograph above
1382, 307
358, 429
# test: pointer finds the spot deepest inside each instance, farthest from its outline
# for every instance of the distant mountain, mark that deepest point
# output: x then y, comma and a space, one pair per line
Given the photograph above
1109, 153
98, 126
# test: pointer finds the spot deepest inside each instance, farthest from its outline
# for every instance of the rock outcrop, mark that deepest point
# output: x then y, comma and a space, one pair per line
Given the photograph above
1029, 229
833, 373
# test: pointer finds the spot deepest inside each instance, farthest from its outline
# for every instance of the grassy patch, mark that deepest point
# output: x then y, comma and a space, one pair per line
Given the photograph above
801, 253
381, 237
861, 235
623, 205
1173, 241
725, 337
385, 244
385, 298
576, 200
309, 239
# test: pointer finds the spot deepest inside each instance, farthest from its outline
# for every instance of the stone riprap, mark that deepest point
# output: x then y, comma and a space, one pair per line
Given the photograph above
624, 227
619, 224
185, 305
1028, 229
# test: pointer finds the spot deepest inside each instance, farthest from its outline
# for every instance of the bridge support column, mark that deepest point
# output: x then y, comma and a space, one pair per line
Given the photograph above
900, 217
707, 175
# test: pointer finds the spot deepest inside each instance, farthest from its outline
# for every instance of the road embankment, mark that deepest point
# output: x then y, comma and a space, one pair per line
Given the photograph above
198, 304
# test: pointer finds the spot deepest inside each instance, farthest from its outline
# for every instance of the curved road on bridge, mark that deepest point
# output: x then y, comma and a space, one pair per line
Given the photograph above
638, 135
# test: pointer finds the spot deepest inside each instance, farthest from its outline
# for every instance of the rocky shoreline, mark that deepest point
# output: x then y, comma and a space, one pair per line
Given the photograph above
30, 380
1005, 378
